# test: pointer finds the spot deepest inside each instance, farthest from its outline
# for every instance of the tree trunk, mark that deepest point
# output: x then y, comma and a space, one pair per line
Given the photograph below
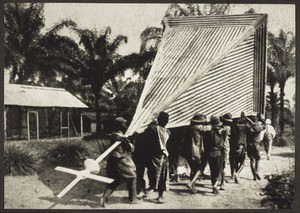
98, 113
273, 107
281, 116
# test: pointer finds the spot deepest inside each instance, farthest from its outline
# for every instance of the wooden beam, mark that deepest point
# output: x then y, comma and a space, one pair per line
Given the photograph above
80, 175
68, 121
28, 126
5, 125
37, 126
104, 154
81, 125
60, 122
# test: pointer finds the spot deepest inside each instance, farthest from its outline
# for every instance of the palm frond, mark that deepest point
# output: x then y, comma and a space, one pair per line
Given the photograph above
116, 44
68, 23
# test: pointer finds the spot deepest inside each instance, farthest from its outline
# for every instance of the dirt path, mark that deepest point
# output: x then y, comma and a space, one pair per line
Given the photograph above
38, 191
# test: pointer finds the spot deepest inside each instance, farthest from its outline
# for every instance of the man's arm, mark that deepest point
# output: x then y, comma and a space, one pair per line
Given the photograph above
204, 128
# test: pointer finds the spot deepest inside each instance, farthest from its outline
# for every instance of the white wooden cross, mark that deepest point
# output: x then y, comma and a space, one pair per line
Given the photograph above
86, 173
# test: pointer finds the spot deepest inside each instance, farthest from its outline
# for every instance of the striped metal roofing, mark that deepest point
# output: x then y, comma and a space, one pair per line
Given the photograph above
204, 64
214, 21
33, 96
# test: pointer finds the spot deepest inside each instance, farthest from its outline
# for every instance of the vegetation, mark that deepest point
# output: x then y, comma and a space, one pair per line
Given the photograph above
90, 67
280, 189
281, 57
68, 153
20, 160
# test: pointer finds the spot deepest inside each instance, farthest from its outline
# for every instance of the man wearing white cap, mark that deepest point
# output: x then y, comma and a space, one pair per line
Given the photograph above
269, 134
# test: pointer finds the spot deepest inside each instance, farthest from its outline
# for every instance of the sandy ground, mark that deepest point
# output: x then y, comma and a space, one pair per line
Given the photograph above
39, 191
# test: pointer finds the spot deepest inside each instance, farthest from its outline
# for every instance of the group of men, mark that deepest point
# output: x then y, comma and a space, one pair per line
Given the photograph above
215, 142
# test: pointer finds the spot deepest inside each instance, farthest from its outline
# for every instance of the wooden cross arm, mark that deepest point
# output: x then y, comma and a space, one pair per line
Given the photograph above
109, 150
63, 169
85, 174
80, 175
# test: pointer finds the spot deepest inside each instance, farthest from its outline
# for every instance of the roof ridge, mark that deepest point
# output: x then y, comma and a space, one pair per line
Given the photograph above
36, 87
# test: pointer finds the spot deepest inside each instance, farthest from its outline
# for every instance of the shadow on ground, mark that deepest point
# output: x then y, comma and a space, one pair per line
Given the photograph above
85, 192
285, 154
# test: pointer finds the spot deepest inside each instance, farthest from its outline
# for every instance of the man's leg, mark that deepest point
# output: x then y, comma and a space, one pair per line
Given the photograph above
109, 190
131, 186
141, 183
252, 166
270, 147
214, 172
222, 175
257, 160
232, 162
203, 162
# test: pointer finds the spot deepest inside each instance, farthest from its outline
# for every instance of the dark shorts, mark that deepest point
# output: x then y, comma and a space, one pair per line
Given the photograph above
253, 151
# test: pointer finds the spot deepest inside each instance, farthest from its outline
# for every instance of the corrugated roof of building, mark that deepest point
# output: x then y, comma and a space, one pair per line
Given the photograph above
198, 54
34, 96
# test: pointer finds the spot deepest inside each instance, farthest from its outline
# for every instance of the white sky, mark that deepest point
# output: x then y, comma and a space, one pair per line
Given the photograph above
131, 19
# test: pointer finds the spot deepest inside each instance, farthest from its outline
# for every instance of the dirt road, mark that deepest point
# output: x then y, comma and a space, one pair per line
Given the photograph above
38, 191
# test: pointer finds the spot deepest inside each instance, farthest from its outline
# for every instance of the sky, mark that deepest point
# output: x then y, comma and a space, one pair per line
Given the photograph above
131, 19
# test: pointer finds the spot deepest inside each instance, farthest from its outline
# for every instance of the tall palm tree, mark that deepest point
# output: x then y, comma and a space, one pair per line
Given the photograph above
282, 58
272, 96
22, 25
94, 60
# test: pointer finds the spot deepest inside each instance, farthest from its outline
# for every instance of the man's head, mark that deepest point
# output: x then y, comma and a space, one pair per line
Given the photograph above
268, 121
226, 118
120, 124
215, 121
198, 118
163, 119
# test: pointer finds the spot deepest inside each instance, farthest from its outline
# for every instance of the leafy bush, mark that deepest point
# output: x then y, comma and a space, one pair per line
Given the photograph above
68, 153
20, 159
280, 189
281, 141
91, 136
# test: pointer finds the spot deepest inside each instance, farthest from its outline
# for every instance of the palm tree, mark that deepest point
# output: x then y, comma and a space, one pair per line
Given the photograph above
271, 81
282, 58
22, 25
94, 60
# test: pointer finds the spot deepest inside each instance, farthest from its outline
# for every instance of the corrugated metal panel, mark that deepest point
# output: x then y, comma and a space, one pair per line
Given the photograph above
186, 61
23, 95
214, 21
197, 67
219, 93
260, 69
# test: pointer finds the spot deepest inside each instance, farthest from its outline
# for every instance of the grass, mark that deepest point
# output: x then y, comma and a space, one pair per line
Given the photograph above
68, 153
21, 160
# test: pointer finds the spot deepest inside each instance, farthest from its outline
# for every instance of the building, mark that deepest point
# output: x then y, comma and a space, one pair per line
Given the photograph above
33, 112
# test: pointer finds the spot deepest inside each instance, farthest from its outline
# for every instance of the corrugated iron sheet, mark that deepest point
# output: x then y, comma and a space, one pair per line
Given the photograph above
214, 21
23, 95
204, 64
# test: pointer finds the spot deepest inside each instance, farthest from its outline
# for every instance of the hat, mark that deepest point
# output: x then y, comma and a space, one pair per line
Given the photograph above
199, 118
120, 120
215, 121
227, 117
268, 121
